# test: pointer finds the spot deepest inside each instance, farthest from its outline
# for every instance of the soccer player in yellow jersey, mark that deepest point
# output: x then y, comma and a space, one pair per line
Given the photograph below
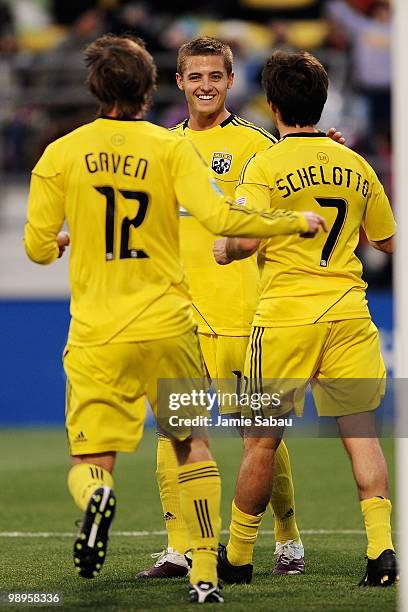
224, 299
312, 320
117, 182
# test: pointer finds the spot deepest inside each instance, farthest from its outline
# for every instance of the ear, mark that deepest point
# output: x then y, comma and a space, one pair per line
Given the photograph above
179, 80
230, 81
274, 110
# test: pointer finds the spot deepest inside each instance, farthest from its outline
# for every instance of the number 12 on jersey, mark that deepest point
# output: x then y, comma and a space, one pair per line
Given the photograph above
110, 196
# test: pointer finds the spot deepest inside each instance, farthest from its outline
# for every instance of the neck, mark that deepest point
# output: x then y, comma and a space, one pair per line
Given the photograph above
199, 122
114, 113
290, 129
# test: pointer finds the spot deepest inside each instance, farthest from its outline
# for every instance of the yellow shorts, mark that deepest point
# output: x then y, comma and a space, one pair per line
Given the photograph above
342, 358
106, 387
224, 359
223, 355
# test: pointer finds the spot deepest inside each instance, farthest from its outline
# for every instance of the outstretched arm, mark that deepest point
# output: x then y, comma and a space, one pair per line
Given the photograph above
227, 250
203, 198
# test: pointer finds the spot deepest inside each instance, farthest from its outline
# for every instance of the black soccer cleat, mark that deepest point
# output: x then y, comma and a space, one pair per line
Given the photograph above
232, 574
92, 541
381, 572
204, 592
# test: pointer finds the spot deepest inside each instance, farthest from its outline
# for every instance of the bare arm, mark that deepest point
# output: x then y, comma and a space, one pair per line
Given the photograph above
227, 250
386, 246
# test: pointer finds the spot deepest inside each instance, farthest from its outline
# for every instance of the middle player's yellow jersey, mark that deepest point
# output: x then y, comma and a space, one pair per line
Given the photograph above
224, 297
317, 279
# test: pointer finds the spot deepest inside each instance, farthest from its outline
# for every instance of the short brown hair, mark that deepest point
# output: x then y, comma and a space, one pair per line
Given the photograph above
296, 83
121, 73
205, 46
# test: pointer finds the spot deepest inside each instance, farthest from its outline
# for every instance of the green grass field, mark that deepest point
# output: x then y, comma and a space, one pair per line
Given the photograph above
34, 498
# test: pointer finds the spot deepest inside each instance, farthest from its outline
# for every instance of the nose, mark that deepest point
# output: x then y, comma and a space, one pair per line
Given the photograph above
206, 85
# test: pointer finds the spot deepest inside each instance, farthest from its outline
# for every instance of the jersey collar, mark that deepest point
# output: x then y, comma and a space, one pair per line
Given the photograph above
305, 135
119, 118
221, 125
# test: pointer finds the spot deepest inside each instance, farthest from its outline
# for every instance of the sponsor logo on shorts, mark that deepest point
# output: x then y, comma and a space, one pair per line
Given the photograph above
169, 517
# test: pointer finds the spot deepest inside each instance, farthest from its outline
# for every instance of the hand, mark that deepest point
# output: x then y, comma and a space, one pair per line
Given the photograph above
220, 252
63, 241
336, 136
314, 221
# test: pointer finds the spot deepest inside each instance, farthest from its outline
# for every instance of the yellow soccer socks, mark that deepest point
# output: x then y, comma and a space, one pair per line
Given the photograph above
200, 497
83, 479
377, 519
283, 498
167, 479
243, 533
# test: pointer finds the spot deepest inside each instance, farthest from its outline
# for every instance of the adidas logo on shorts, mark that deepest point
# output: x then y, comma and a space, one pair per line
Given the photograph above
169, 517
80, 437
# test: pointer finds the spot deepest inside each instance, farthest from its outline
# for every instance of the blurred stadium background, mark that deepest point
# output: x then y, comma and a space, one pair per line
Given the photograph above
42, 97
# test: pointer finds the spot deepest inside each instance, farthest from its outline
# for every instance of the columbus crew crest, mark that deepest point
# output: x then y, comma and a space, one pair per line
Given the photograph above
221, 162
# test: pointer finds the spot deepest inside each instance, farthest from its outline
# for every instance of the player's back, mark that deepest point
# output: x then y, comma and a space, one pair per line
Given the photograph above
305, 280
121, 210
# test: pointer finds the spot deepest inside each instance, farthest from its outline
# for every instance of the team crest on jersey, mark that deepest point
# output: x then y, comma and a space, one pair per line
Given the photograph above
221, 162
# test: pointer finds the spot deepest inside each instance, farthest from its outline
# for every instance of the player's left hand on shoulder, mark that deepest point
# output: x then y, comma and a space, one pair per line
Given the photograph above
336, 136
220, 251
63, 240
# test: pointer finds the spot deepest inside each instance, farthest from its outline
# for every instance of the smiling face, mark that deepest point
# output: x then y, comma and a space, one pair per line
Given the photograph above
205, 83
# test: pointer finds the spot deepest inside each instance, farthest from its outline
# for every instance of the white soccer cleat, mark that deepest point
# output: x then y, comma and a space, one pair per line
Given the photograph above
169, 564
289, 558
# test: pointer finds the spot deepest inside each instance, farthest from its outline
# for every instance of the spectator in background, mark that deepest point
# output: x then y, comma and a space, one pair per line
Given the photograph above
371, 72
66, 13
136, 17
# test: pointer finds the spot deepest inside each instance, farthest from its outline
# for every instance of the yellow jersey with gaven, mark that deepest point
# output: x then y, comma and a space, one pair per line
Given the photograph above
117, 183
318, 279
224, 297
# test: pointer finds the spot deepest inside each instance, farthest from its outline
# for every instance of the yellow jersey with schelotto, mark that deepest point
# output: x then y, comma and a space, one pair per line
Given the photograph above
305, 280
118, 184
224, 297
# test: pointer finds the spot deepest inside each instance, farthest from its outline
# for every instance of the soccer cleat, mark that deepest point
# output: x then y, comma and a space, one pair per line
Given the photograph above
170, 564
381, 572
233, 574
204, 592
289, 558
92, 541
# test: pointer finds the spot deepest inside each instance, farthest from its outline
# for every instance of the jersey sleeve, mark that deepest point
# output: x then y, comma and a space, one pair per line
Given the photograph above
45, 215
378, 221
198, 192
253, 189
